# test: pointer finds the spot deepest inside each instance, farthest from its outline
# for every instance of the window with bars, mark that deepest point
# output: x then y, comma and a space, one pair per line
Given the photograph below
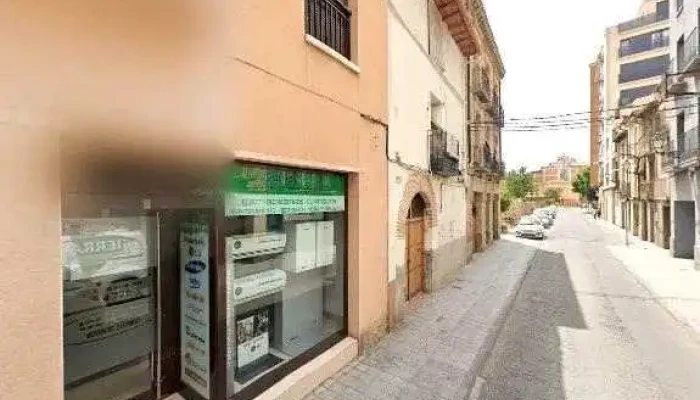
329, 22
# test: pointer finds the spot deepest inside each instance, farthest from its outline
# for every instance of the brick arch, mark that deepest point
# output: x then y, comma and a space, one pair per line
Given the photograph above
418, 184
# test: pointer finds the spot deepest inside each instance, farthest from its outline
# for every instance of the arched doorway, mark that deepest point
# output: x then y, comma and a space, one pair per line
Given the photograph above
415, 247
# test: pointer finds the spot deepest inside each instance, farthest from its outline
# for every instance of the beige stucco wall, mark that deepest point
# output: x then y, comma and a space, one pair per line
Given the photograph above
173, 80
129, 72
299, 103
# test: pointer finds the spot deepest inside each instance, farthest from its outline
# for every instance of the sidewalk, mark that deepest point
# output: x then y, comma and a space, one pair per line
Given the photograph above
437, 351
673, 282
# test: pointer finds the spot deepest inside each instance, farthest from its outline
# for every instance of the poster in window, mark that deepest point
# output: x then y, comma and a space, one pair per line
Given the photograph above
253, 334
194, 309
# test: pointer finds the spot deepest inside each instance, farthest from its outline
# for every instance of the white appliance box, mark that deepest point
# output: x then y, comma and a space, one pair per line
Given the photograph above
257, 244
258, 285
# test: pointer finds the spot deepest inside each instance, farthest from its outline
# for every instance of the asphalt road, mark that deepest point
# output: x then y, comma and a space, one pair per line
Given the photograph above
582, 327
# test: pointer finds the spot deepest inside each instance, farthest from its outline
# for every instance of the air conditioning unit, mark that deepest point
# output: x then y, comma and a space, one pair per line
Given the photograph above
258, 285
253, 245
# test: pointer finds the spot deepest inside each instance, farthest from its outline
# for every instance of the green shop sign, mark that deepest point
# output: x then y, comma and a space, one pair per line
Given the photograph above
257, 190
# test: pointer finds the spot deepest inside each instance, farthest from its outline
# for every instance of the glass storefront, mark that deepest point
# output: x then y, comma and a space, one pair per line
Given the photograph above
285, 267
214, 303
108, 306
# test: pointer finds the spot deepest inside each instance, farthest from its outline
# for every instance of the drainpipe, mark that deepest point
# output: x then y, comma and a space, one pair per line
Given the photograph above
468, 111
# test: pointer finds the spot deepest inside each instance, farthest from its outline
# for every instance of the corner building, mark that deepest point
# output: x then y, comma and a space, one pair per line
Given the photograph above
202, 190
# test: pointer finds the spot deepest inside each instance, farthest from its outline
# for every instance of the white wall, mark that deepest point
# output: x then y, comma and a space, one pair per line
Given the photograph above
413, 79
682, 25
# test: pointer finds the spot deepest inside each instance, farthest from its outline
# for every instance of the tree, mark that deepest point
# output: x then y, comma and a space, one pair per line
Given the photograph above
505, 203
519, 184
582, 184
553, 195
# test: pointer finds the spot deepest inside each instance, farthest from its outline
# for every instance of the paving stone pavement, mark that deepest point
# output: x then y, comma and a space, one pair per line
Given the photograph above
437, 350
673, 282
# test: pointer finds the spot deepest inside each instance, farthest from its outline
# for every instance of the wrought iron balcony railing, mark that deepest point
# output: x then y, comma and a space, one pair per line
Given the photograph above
689, 59
329, 22
688, 145
444, 152
481, 83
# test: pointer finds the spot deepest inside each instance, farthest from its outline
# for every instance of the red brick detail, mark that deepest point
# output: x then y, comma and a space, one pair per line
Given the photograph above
417, 184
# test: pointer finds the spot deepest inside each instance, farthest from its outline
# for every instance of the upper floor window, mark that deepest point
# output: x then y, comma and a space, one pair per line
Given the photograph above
648, 68
630, 95
435, 37
329, 22
646, 42
662, 10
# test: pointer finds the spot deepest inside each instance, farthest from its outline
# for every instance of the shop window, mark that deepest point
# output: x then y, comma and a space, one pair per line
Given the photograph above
285, 246
109, 307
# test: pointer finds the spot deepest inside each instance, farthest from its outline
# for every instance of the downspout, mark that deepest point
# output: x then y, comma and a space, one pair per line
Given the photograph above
468, 111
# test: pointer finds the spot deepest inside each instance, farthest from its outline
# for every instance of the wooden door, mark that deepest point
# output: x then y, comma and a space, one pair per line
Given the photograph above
415, 255
667, 227
476, 226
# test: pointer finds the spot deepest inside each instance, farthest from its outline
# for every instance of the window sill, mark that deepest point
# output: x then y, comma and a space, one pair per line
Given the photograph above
334, 54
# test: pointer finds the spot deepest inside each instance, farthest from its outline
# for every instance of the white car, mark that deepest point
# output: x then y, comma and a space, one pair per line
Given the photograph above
543, 216
530, 227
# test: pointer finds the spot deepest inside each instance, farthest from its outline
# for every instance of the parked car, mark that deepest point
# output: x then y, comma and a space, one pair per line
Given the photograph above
552, 212
544, 217
530, 227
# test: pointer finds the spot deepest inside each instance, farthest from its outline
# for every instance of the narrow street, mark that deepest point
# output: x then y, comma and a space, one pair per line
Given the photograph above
583, 327
580, 327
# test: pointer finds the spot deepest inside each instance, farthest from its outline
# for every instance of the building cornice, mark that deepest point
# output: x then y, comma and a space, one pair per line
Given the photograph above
487, 33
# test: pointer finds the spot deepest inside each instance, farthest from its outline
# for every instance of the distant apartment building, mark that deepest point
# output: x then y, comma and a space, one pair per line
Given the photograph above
636, 57
683, 150
559, 175
596, 76
641, 179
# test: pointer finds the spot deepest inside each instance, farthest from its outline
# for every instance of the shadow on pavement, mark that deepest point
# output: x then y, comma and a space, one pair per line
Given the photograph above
526, 361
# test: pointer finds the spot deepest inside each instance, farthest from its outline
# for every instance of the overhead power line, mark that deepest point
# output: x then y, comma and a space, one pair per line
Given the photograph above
583, 114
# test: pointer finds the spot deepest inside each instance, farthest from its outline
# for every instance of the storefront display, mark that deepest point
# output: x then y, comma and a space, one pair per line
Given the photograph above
194, 309
218, 302
285, 267
108, 303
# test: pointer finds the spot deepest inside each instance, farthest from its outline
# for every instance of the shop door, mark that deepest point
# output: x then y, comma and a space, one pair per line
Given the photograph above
171, 301
667, 227
477, 228
415, 248
651, 224
109, 305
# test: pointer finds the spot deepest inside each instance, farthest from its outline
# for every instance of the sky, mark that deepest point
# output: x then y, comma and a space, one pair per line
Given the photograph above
546, 46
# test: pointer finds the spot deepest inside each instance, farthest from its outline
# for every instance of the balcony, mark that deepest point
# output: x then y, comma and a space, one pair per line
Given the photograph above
647, 43
688, 149
644, 20
690, 59
646, 189
644, 69
444, 152
481, 84
329, 22
493, 107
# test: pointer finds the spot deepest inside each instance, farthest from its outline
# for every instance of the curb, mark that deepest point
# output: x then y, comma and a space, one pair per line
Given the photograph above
494, 331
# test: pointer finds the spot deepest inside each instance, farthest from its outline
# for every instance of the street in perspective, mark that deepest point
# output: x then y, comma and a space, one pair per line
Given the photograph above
350, 200
584, 323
